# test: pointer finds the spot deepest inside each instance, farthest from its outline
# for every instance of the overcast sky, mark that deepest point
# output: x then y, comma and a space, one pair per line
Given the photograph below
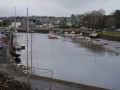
56, 7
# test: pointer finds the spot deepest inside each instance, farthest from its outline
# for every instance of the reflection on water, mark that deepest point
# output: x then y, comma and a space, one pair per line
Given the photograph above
98, 49
70, 60
91, 47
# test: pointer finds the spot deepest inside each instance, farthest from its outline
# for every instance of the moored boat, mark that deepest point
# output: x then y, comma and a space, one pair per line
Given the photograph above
16, 53
87, 39
93, 35
53, 37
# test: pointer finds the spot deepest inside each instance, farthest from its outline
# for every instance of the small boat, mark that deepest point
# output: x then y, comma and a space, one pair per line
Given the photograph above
73, 32
81, 34
53, 37
65, 32
93, 35
16, 52
87, 39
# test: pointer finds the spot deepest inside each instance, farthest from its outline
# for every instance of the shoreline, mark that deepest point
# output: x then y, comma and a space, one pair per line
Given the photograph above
103, 35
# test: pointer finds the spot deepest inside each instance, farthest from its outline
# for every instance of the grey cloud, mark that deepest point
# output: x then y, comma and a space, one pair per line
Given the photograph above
56, 7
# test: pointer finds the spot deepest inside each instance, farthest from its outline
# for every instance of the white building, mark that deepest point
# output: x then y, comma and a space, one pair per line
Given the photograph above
17, 24
1, 20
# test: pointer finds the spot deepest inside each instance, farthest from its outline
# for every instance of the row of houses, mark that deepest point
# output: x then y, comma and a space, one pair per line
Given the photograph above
34, 21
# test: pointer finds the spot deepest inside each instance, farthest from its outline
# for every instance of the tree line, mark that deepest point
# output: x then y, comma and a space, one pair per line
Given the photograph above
95, 19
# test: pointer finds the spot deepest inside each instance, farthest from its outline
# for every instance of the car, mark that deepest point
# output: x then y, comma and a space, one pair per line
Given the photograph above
2, 32
118, 30
6, 33
98, 30
1, 46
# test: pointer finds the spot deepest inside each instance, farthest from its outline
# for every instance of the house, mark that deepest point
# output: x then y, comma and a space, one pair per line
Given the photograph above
69, 24
17, 24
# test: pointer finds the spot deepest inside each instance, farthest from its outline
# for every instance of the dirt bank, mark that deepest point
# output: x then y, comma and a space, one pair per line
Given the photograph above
9, 83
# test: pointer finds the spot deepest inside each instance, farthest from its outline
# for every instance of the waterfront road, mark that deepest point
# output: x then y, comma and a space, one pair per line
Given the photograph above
4, 62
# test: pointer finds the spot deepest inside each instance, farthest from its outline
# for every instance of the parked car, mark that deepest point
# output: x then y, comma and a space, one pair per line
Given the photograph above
98, 30
90, 29
2, 32
83, 28
118, 30
1, 46
6, 33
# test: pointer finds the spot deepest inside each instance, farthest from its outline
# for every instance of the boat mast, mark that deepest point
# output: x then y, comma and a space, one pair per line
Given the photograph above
27, 38
15, 20
15, 28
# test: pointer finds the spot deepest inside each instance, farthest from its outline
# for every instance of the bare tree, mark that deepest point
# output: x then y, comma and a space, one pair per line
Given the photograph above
110, 21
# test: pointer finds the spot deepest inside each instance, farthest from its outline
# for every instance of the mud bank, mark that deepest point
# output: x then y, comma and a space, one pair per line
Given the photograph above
102, 35
109, 45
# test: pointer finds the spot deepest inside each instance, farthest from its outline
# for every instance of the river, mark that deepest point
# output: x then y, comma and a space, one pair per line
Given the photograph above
73, 61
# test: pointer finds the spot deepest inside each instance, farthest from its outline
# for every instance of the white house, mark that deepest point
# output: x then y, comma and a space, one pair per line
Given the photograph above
1, 20
17, 24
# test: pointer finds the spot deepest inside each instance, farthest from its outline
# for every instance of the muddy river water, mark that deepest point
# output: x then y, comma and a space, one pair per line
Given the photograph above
70, 60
